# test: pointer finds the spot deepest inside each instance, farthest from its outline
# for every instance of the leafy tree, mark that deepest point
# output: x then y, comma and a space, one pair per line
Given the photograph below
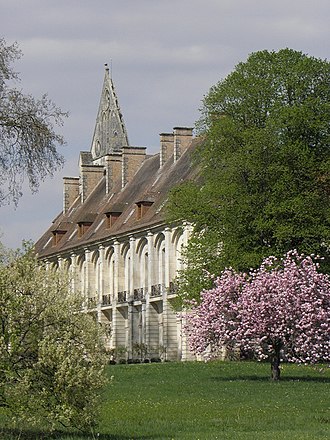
28, 139
264, 163
280, 311
51, 356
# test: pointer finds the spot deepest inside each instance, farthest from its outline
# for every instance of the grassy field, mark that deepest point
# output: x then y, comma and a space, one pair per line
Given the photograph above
218, 400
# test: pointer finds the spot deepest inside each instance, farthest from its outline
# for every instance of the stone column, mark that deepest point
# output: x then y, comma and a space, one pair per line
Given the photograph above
47, 263
73, 272
151, 281
179, 335
116, 246
60, 263
133, 266
130, 330
100, 281
143, 321
87, 286
167, 233
187, 229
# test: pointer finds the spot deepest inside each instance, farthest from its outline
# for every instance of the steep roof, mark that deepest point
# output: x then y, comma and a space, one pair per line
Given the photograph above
110, 133
149, 188
121, 190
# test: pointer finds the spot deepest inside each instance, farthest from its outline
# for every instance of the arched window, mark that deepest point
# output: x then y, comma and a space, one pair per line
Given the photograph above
177, 241
160, 255
81, 274
109, 277
142, 273
124, 270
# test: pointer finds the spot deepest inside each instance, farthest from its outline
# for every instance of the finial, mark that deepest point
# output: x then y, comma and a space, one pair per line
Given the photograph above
106, 66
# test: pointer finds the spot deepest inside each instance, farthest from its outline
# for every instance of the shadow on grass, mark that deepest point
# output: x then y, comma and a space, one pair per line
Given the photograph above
13, 434
268, 379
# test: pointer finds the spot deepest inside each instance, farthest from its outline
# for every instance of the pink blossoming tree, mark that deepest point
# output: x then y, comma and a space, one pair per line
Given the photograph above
281, 311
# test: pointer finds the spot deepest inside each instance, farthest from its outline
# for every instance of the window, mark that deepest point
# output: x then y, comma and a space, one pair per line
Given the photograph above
112, 217
142, 208
57, 236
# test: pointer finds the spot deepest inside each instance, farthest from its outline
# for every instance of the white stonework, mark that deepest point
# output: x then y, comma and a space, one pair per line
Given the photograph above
112, 237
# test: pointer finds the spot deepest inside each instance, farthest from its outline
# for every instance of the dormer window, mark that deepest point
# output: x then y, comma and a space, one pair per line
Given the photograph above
57, 236
85, 223
112, 217
59, 231
83, 228
142, 207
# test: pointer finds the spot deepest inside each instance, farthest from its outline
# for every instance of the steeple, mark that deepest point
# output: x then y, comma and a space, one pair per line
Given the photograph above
110, 133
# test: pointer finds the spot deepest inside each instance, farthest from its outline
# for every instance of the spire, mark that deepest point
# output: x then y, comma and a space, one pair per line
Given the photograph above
110, 133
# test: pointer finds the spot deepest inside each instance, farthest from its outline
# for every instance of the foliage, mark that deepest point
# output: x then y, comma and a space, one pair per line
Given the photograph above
28, 139
51, 358
141, 350
264, 165
191, 400
280, 311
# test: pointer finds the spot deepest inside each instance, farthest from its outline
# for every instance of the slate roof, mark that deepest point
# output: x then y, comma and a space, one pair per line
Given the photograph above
150, 184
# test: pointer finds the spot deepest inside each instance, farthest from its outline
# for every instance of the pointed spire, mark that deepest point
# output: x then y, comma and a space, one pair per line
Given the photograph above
110, 132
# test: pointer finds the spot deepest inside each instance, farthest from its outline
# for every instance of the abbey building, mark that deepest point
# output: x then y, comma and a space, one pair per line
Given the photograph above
113, 239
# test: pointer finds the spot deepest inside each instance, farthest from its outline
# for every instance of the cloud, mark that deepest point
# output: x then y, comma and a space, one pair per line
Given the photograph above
165, 57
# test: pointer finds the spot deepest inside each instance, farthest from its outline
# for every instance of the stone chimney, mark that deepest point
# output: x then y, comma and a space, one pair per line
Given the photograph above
70, 191
166, 147
133, 158
113, 166
182, 140
90, 176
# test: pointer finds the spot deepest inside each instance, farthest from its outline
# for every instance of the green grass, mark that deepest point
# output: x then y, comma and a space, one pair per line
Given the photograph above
218, 400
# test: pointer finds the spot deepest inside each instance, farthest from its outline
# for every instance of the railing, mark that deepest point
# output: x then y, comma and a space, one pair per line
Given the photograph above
156, 290
92, 302
138, 294
173, 288
122, 296
106, 300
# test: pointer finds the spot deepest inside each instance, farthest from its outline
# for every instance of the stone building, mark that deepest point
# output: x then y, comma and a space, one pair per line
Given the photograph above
112, 236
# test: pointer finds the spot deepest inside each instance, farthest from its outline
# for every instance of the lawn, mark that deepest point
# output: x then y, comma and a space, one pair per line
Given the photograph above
217, 400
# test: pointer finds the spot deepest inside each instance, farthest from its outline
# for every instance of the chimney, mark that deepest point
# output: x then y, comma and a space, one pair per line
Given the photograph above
166, 147
70, 191
133, 158
113, 165
182, 140
90, 176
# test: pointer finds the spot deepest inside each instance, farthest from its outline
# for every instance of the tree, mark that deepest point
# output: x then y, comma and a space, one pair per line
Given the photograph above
28, 140
51, 355
264, 163
280, 311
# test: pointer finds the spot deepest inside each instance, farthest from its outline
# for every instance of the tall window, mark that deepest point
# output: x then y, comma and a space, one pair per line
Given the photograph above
160, 258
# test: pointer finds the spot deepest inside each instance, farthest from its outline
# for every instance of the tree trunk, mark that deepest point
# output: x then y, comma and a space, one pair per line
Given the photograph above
275, 363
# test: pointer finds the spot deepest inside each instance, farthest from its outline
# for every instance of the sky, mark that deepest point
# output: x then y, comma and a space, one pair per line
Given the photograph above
164, 57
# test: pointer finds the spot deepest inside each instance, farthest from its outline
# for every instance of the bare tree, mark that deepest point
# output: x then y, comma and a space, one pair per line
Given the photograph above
28, 140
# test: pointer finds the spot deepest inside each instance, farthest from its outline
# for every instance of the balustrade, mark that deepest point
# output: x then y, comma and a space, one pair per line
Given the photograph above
173, 288
92, 302
122, 296
106, 300
157, 290
138, 294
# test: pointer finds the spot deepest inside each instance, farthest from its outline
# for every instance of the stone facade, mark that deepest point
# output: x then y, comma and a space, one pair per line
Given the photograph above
112, 237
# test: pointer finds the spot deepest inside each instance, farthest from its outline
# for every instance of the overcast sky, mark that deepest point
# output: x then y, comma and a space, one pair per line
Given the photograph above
165, 55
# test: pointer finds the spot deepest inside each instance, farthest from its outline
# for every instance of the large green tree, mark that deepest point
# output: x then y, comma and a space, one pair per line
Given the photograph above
51, 353
28, 139
265, 167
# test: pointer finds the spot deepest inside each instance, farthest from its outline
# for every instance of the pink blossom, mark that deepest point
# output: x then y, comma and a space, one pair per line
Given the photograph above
281, 309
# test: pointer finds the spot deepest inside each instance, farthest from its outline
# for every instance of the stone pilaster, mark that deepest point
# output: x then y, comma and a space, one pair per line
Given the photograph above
100, 280
86, 276
73, 272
